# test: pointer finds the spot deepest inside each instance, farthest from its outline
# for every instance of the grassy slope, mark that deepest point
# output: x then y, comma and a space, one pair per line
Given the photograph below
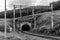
26, 11
44, 23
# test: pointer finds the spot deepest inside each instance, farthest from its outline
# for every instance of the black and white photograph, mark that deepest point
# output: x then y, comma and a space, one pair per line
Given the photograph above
29, 19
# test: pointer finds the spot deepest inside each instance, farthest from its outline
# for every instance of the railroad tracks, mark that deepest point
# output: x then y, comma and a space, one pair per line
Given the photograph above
18, 35
41, 35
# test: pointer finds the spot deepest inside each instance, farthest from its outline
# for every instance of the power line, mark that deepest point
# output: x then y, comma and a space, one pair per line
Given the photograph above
14, 18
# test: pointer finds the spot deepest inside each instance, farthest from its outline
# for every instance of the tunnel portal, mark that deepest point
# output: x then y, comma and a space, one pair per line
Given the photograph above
25, 27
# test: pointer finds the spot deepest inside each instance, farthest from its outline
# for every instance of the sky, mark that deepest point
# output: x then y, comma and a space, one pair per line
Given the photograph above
10, 3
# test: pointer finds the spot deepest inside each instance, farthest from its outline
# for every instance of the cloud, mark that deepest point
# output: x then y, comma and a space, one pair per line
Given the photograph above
1, 5
31, 2
22, 2
10, 3
44, 2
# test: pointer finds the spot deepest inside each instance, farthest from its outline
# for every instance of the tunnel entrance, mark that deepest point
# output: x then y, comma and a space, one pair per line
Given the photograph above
25, 27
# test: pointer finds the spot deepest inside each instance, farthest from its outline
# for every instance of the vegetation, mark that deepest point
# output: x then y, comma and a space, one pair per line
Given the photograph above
44, 25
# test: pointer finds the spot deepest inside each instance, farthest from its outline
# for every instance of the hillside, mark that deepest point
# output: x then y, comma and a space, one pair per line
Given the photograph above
56, 5
44, 24
26, 11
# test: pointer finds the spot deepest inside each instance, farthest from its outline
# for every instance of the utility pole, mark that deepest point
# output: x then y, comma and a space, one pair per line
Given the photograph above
14, 18
20, 11
5, 20
15, 6
52, 23
34, 18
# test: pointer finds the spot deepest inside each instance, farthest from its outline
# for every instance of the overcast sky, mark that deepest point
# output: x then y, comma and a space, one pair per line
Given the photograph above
27, 2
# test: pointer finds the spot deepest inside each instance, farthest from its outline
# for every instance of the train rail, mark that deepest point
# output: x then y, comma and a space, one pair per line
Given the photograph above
41, 35
14, 34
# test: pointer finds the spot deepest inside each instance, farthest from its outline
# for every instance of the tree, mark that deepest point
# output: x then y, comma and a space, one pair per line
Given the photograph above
56, 5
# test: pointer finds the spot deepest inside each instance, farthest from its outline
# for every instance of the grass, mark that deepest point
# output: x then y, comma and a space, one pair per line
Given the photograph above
45, 19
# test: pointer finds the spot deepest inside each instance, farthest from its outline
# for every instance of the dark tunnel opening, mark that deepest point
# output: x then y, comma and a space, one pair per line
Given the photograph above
25, 27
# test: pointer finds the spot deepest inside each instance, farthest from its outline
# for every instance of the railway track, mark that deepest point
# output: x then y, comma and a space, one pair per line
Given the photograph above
18, 35
41, 35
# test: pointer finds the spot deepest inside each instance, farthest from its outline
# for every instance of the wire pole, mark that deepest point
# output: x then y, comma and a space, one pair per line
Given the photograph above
34, 18
52, 16
20, 10
5, 20
14, 18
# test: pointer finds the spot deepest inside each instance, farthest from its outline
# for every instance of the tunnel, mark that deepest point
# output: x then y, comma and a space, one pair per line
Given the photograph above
25, 27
